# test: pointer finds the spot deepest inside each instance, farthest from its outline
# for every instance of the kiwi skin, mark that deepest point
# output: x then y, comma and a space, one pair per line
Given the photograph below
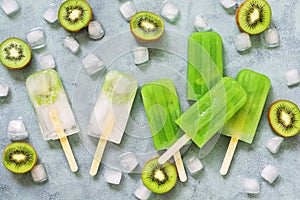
278, 132
77, 30
20, 143
29, 54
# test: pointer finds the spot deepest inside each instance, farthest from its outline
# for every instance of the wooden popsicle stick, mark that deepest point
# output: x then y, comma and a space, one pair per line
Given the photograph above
101, 145
173, 149
180, 167
228, 156
63, 139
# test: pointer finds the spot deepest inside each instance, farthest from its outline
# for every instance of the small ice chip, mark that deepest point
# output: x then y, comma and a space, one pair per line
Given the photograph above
269, 173
274, 143
36, 38
71, 44
127, 10
17, 130
229, 4
242, 42
112, 176
128, 161
251, 186
39, 173
201, 23
170, 12
92, 64
292, 77
10, 7
95, 30
193, 164
141, 192
50, 14
270, 37
140, 55
47, 61
4, 88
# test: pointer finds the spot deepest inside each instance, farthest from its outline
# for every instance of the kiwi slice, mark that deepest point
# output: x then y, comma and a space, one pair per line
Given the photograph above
159, 178
284, 118
74, 15
14, 53
19, 157
254, 16
146, 26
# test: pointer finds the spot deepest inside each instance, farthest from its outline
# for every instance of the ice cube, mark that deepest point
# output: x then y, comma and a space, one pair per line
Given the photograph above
4, 88
71, 44
250, 186
169, 11
92, 64
10, 7
39, 173
127, 10
112, 176
274, 143
50, 15
47, 61
270, 37
242, 42
141, 192
96, 30
17, 130
201, 23
36, 38
292, 77
193, 164
128, 161
269, 173
229, 4
140, 55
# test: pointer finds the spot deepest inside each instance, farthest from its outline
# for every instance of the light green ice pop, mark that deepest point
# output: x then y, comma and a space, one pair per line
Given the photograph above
243, 125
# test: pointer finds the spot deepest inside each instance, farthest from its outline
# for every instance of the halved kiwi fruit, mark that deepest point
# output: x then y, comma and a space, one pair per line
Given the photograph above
14, 53
254, 16
284, 118
146, 26
159, 178
19, 157
74, 15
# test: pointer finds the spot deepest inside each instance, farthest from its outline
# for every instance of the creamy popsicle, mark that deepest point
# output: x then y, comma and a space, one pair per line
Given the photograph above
162, 109
243, 125
205, 63
111, 112
52, 108
208, 115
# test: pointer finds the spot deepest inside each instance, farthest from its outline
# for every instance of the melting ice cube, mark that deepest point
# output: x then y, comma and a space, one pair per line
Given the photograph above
201, 23
292, 77
274, 143
242, 42
36, 38
39, 173
140, 55
47, 61
4, 88
10, 7
50, 15
127, 10
229, 4
95, 30
270, 37
92, 64
128, 161
251, 186
71, 44
112, 176
141, 192
193, 164
17, 130
269, 173
170, 12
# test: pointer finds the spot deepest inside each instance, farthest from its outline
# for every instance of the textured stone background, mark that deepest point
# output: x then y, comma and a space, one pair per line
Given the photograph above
249, 160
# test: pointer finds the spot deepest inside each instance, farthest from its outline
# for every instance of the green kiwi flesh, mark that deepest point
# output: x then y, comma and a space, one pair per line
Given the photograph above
159, 178
146, 26
284, 118
14, 53
19, 157
74, 15
254, 16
